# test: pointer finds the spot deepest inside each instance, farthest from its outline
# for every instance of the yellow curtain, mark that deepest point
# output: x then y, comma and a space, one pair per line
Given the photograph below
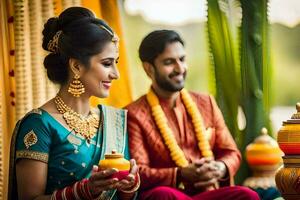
7, 90
93, 5
57, 7
120, 93
37, 53
70, 3
23, 58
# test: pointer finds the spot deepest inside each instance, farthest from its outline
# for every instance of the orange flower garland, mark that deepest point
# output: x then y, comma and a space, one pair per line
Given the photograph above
177, 154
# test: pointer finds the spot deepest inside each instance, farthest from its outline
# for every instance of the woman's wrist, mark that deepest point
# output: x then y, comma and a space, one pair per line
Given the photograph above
93, 194
88, 191
79, 190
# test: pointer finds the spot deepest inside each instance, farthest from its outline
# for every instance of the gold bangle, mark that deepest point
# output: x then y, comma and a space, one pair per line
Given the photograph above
101, 195
135, 188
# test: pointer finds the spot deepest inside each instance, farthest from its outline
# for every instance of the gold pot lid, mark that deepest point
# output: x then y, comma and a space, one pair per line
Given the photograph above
295, 119
264, 138
113, 154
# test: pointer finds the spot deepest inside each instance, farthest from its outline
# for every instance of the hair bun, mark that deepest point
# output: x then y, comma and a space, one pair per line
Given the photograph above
74, 13
50, 29
56, 68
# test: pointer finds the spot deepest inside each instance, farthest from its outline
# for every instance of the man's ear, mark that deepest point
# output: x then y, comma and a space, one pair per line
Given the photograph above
75, 66
149, 69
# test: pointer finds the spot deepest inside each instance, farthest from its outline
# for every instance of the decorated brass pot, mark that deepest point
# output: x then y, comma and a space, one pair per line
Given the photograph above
117, 161
289, 134
264, 158
287, 177
263, 151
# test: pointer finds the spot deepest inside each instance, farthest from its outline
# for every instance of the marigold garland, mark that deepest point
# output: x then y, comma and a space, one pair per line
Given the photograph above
177, 154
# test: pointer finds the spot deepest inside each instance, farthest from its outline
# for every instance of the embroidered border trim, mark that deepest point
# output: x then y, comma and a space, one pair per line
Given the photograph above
36, 111
33, 155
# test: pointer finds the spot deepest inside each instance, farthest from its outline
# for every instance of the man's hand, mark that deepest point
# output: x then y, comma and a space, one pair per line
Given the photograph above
188, 173
221, 168
209, 173
192, 174
204, 172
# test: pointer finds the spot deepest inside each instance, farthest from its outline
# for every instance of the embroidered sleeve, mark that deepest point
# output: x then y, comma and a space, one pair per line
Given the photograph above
33, 139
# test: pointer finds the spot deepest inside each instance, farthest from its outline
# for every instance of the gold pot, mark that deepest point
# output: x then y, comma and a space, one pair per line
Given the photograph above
114, 160
289, 134
287, 177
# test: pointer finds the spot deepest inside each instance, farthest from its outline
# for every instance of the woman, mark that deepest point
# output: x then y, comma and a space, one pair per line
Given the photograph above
58, 146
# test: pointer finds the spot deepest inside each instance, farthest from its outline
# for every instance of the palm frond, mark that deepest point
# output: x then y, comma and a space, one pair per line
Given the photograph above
224, 62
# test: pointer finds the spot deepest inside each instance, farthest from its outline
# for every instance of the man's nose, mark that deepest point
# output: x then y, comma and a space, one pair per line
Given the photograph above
180, 67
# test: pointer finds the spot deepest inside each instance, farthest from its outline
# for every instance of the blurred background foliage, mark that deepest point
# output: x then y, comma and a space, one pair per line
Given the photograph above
245, 62
284, 43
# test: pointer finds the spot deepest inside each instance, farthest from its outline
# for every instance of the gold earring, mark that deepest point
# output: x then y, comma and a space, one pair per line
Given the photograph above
76, 88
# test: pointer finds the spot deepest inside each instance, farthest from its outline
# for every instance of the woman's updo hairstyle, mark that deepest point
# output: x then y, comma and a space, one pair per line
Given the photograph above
76, 33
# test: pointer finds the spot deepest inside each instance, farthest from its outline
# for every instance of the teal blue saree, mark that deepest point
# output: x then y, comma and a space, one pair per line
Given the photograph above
69, 156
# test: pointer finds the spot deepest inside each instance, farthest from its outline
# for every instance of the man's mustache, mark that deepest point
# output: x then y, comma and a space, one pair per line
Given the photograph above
176, 74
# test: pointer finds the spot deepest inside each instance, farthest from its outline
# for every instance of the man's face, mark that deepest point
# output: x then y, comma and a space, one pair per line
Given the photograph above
170, 68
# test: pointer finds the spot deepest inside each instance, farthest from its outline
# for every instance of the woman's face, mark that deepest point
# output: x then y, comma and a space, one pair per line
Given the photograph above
103, 69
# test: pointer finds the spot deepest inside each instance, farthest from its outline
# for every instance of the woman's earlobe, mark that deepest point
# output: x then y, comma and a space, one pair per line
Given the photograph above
75, 65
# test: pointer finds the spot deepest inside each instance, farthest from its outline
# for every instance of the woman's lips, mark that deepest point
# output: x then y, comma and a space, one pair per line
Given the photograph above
106, 84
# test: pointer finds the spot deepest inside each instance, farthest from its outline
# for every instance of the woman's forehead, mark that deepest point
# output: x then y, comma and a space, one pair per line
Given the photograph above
110, 49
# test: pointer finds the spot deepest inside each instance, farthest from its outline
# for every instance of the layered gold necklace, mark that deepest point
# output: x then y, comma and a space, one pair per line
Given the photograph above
85, 126
161, 121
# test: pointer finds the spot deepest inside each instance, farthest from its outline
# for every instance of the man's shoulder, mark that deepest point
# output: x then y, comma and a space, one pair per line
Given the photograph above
137, 105
200, 96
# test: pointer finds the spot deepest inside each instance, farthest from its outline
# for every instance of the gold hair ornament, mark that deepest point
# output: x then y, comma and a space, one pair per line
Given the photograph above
52, 45
115, 39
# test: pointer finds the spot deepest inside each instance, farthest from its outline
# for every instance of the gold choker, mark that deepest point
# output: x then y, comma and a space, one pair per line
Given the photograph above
86, 127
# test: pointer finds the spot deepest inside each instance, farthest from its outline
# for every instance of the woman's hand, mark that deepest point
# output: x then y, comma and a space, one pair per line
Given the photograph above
130, 181
100, 181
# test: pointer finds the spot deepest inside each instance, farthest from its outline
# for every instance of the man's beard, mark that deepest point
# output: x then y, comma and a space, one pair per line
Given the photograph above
168, 85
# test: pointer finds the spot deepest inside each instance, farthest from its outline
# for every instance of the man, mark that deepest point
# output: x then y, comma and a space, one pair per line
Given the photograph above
179, 138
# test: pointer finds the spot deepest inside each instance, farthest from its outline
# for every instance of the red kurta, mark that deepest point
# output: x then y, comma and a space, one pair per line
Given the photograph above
152, 155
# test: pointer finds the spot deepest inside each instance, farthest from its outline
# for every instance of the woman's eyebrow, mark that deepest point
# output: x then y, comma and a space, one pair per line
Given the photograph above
108, 58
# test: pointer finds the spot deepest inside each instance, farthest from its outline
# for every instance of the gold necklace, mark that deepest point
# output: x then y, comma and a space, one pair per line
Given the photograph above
161, 121
86, 127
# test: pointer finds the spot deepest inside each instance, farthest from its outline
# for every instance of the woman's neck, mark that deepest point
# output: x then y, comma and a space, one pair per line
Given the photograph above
81, 104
